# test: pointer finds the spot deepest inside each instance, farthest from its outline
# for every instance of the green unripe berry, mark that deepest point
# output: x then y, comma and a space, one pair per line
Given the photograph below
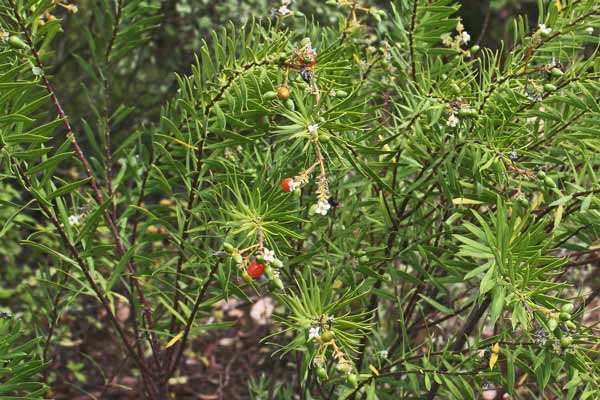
352, 380
363, 259
455, 88
475, 49
552, 324
327, 336
237, 258
571, 325
467, 113
278, 283
228, 247
260, 258
556, 72
270, 95
324, 137
567, 308
549, 182
548, 87
339, 367
566, 341
298, 14
564, 316
321, 373
541, 174
360, 253
290, 105
341, 93
297, 193
331, 2
246, 277
268, 271
16, 43
276, 263
523, 201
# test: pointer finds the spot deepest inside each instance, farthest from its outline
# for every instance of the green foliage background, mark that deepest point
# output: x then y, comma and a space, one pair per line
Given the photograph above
458, 257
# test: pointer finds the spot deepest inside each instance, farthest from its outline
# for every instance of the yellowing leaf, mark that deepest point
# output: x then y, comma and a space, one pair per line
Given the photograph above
462, 201
558, 216
496, 348
494, 356
174, 340
537, 201
558, 5
374, 370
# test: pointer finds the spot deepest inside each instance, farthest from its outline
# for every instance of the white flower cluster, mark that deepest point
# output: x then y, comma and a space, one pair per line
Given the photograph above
74, 220
314, 333
322, 207
313, 128
284, 9
294, 185
543, 29
268, 255
452, 120
465, 37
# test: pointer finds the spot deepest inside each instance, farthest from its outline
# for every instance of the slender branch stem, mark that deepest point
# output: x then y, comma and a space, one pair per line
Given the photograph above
80, 155
461, 337
411, 40
86, 271
173, 367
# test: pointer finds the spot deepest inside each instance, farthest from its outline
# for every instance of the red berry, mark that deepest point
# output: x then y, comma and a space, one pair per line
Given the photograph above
309, 60
255, 269
286, 185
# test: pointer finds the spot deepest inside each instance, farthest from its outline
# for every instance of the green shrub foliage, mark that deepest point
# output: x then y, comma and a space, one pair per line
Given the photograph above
423, 210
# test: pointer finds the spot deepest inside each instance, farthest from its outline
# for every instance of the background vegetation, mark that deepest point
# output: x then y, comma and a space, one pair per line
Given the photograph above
440, 239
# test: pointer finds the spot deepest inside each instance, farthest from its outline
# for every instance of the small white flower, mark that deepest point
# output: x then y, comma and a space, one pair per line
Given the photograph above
589, 29
465, 37
322, 207
313, 128
284, 10
3, 35
74, 220
293, 185
383, 353
543, 29
268, 255
314, 333
331, 318
452, 120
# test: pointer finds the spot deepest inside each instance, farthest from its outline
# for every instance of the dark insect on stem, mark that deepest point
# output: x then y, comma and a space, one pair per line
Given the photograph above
307, 74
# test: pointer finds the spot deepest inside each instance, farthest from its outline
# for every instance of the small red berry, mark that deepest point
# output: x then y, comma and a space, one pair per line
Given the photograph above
255, 269
309, 60
287, 184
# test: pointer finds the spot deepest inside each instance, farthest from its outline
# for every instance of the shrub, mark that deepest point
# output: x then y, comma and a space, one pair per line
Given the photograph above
423, 210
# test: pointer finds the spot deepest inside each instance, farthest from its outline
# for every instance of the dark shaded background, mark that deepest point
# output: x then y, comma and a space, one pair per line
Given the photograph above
187, 22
